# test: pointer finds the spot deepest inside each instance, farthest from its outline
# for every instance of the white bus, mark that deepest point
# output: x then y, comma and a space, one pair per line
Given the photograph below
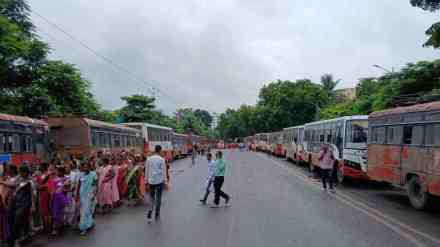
155, 135
347, 137
293, 143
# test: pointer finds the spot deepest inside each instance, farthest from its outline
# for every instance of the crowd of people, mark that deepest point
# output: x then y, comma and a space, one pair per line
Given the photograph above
51, 197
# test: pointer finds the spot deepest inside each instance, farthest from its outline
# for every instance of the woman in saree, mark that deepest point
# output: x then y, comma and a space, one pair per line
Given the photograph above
105, 194
20, 208
59, 200
132, 181
44, 184
122, 173
87, 197
6, 192
114, 181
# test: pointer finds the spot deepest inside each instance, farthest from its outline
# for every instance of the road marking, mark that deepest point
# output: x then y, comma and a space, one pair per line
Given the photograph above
374, 213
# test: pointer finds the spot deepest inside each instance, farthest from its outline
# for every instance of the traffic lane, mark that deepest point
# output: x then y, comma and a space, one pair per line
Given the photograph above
389, 200
269, 208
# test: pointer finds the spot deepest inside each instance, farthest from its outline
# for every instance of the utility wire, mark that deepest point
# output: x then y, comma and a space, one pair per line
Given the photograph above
104, 58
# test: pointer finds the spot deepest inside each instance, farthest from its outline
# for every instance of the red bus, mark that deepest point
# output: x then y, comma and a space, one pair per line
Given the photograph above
23, 139
404, 150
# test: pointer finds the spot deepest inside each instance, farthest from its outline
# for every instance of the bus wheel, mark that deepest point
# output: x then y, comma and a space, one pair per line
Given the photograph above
418, 196
340, 174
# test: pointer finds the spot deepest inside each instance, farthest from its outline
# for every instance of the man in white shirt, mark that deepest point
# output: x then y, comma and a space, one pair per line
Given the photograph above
209, 179
155, 179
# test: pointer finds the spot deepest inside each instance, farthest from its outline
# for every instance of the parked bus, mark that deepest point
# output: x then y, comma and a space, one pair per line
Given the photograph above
180, 148
404, 149
82, 137
249, 141
155, 135
276, 143
347, 137
293, 143
262, 141
23, 139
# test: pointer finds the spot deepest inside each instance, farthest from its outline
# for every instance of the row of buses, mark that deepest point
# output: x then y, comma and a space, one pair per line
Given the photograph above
24, 139
400, 146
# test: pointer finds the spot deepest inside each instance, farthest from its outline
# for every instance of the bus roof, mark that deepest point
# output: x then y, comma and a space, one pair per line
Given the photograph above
148, 125
431, 106
354, 117
294, 127
22, 119
178, 134
101, 124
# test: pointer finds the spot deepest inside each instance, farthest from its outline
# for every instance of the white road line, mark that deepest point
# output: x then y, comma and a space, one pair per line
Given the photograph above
374, 213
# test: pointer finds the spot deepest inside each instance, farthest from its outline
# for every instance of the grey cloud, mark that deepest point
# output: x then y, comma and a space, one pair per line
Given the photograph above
217, 54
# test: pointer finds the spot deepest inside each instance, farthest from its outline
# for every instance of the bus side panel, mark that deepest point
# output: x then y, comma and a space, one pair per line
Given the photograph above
384, 163
434, 185
425, 162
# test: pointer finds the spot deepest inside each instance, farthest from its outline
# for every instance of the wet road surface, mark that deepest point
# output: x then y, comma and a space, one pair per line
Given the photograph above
274, 203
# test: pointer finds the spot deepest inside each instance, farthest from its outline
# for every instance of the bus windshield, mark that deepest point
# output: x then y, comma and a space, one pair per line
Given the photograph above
356, 134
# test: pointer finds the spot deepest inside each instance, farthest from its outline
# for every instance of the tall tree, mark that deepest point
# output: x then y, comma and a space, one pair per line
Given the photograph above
204, 116
138, 108
21, 52
329, 83
433, 32
60, 89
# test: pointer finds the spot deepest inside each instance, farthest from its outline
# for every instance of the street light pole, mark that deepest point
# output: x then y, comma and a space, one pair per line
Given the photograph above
384, 69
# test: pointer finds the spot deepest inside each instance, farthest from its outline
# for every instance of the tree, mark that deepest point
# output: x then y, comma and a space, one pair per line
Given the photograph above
281, 104
59, 90
204, 116
189, 123
287, 103
21, 52
328, 83
138, 108
434, 30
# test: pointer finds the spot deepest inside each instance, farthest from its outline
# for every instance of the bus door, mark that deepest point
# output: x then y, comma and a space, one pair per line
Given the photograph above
394, 153
413, 157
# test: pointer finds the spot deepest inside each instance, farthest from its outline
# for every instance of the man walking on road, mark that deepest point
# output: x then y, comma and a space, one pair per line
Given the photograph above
220, 169
210, 178
155, 179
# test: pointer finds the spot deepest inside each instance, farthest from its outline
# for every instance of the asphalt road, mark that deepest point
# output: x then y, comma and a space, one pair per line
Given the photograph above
274, 203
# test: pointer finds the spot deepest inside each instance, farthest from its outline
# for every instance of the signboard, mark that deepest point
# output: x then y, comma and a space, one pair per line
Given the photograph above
5, 158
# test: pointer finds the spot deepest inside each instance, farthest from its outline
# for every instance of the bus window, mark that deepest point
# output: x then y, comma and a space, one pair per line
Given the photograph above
16, 143
408, 134
417, 136
94, 137
432, 134
394, 135
2, 142
378, 135
356, 134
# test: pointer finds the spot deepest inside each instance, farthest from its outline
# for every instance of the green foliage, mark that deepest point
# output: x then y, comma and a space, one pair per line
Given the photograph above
204, 116
286, 103
190, 122
328, 82
21, 53
418, 81
138, 108
60, 90
337, 110
434, 30
18, 12
281, 104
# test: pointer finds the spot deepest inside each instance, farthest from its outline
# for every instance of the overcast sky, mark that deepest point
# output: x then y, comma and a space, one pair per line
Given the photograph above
216, 54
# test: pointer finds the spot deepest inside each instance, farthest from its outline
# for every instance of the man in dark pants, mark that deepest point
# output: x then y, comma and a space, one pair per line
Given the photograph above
220, 168
156, 179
